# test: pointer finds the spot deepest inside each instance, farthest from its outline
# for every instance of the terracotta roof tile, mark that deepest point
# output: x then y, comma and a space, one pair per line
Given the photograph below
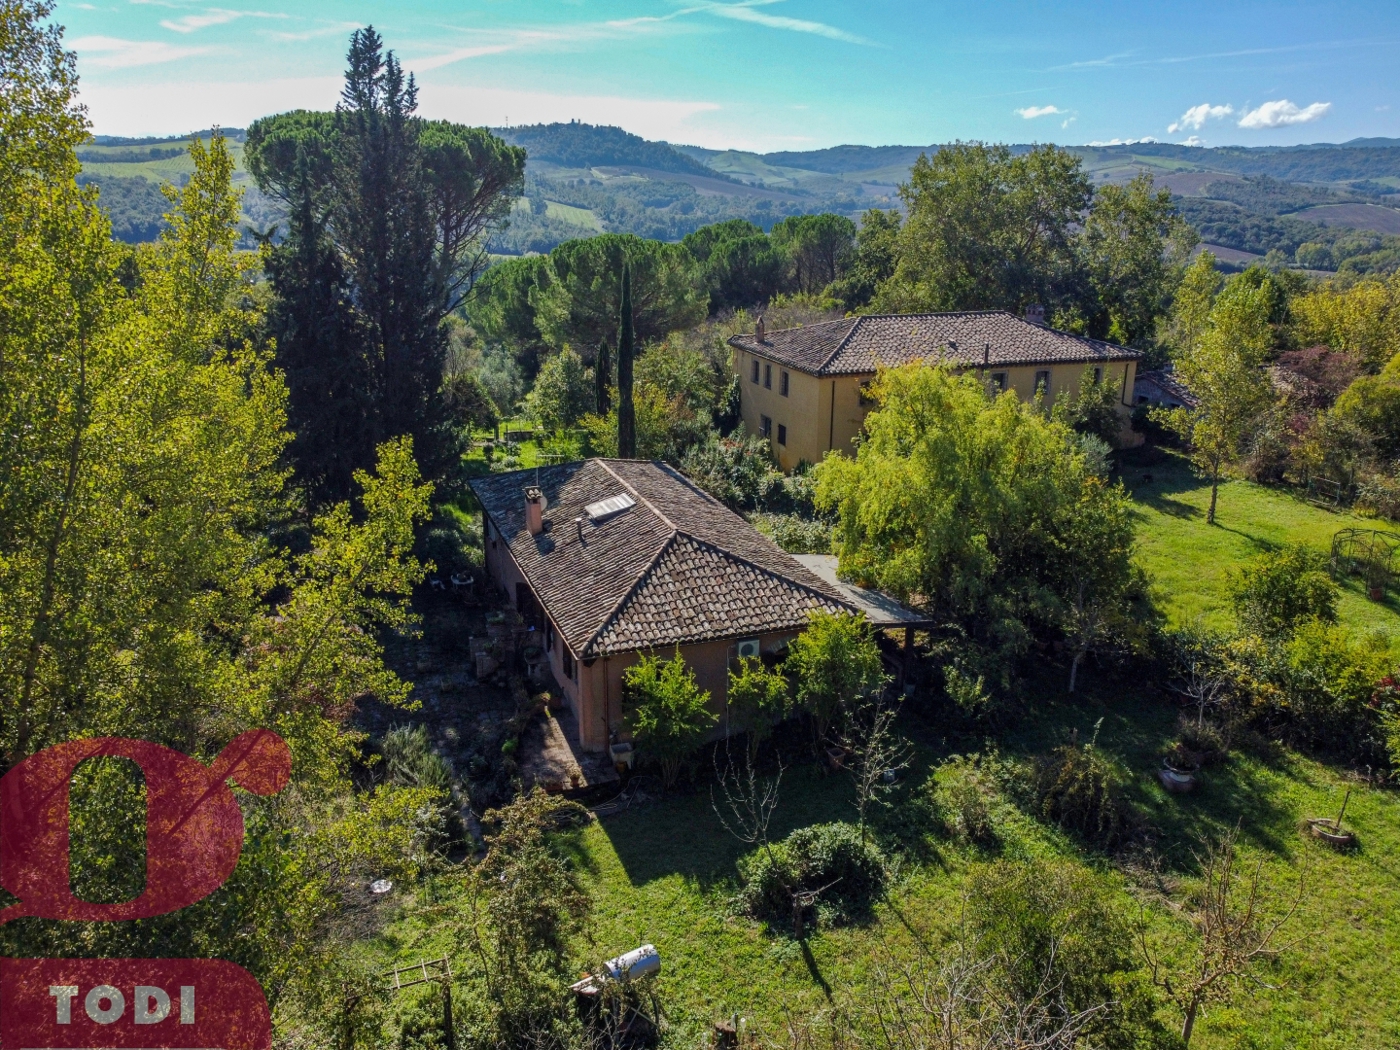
678, 567
858, 345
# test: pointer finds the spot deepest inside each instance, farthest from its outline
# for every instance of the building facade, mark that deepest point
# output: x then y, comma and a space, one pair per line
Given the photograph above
804, 388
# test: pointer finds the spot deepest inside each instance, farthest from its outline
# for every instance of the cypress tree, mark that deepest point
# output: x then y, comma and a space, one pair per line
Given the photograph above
626, 339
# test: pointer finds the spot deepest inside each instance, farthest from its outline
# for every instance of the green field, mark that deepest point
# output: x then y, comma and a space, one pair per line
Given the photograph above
578, 216
1189, 560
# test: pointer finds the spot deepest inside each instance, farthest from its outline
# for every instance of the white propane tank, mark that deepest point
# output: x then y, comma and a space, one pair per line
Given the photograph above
639, 962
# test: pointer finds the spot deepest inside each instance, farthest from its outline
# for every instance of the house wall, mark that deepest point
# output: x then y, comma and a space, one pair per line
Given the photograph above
505, 574
602, 703
825, 414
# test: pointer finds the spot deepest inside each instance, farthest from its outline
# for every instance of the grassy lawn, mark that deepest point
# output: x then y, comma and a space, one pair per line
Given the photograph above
1188, 559
666, 873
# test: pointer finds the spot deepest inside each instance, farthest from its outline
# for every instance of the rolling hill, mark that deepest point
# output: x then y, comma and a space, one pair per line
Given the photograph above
1322, 206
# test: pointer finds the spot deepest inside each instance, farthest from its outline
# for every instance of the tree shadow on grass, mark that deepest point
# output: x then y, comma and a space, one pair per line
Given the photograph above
681, 835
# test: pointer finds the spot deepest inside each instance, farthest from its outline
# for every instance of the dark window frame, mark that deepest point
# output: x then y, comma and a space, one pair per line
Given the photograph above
783, 383
767, 376
754, 377
765, 426
999, 381
1042, 379
782, 434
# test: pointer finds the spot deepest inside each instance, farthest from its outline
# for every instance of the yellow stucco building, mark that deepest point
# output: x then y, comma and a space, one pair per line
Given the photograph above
802, 388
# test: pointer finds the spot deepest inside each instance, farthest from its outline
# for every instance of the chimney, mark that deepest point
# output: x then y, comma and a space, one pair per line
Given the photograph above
1035, 313
534, 510
758, 330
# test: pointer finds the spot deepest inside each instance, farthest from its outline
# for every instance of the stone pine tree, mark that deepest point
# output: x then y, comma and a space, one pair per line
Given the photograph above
626, 340
389, 215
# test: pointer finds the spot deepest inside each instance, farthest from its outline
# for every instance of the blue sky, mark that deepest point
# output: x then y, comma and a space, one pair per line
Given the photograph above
773, 74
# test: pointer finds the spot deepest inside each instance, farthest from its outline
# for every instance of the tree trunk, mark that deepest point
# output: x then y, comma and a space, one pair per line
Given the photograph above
602, 376
1214, 490
1074, 668
1188, 1024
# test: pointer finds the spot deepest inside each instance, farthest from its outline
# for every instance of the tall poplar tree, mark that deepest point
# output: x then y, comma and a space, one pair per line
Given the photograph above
626, 347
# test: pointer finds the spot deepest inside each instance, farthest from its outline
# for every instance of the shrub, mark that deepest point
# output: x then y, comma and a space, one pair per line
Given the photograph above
829, 857
757, 699
1278, 590
1081, 790
1328, 682
964, 790
794, 534
835, 661
1049, 931
738, 470
668, 713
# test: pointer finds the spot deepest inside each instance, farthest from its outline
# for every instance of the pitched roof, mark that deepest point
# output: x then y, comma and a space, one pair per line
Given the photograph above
678, 567
857, 345
1163, 387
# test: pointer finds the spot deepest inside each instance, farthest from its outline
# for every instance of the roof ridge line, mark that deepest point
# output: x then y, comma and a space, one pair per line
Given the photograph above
670, 543
842, 344
631, 589
624, 483
760, 568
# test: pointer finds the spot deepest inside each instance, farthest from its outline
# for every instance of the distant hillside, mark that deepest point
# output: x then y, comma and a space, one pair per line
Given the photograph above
1323, 205
583, 146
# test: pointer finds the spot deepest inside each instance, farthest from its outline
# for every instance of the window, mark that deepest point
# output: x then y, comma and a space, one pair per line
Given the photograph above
768, 377
765, 426
782, 435
998, 381
862, 394
1042, 382
783, 384
568, 664
1098, 375
754, 376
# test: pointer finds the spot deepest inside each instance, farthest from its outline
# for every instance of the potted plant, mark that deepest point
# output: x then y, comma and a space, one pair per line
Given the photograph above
1179, 770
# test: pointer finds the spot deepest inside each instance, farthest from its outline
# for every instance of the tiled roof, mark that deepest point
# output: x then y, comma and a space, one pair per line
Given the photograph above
1163, 388
969, 339
676, 568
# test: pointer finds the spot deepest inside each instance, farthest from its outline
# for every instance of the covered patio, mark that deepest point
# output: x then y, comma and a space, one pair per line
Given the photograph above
884, 612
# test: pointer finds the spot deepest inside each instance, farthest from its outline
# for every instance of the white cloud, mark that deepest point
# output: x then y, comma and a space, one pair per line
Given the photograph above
1194, 119
109, 52
1122, 142
1194, 140
746, 13
1031, 112
214, 16
176, 107
420, 65
1281, 113
1068, 121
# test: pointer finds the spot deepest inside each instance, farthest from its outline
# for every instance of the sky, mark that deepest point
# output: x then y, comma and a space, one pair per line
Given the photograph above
771, 75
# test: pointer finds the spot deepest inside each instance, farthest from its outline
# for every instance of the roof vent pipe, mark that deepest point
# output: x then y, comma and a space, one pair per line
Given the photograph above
534, 510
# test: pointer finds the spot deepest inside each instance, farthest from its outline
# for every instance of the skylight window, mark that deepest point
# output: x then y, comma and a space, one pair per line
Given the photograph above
606, 508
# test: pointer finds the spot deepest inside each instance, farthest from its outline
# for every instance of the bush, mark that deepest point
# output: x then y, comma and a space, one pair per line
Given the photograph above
794, 534
1049, 931
668, 713
964, 790
1329, 680
823, 855
737, 471
1081, 790
1279, 590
